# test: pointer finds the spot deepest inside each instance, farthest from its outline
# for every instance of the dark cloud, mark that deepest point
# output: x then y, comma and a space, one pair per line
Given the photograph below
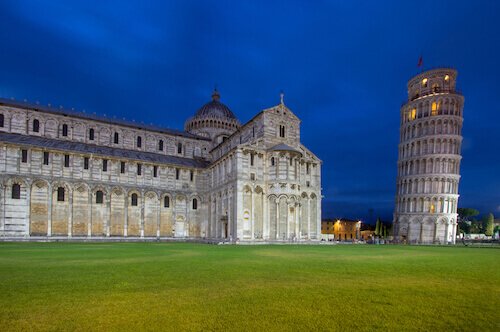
343, 66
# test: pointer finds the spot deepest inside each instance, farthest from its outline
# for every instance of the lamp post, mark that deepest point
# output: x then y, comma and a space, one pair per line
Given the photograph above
359, 234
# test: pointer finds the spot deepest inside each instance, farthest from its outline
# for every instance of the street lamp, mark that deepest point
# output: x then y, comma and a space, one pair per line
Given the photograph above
359, 236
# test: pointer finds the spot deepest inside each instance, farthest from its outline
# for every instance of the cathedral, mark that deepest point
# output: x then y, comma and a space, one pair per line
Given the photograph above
70, 175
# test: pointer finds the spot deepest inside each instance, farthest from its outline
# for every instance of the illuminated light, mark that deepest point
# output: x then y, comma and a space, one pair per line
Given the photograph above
447, 77
413, 114
433, 208
434, 108
424, 82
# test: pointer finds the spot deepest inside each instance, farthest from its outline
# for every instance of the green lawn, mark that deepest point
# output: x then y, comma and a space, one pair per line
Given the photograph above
151, 286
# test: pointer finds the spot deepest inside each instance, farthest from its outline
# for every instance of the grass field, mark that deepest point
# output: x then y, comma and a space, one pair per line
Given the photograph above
151, 286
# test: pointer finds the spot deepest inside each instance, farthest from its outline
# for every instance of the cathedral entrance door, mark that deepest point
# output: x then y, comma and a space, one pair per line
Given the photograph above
179, 229
223, 221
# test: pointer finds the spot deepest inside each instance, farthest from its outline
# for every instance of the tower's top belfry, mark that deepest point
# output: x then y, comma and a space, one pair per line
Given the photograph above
440, 80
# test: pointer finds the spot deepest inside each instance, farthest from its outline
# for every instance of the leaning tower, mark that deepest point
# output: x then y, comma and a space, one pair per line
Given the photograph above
429, 159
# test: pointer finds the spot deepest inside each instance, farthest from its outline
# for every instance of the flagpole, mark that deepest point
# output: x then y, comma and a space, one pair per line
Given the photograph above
420, 64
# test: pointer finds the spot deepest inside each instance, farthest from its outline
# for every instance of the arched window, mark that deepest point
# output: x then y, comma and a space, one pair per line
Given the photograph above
413, 114
116, 138
166, 202
282, 131
272, 161
99, 197
91, 134
1, 120
139, 141
60, 194
179, 147
36, 126
160, 145
65, 130
16, 191
434, 108
195, 204
134, 199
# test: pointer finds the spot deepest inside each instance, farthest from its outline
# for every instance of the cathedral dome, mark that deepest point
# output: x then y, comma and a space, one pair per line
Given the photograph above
214, 120
215, 109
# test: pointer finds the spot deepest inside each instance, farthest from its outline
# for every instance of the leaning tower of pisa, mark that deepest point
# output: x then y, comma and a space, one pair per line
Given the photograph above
429, 159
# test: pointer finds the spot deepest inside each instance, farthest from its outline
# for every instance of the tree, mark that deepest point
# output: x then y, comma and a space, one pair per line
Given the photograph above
377, 227
466, 222
463, 227
464, 214
488, 224
476, 227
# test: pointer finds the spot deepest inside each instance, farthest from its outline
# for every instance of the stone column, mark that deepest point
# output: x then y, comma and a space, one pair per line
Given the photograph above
229, 215
265, 217
308, 218
125, 215
299, 221
49, 221
421, 235
211, 217
287, 234
2, 222
28, 210
216, 222
408, 236
446, 234
70, 219
436, 231
158, 218
89, 225
277, 219
108, 219
454, 232
318, 216
296, 216
252, 228
143, 198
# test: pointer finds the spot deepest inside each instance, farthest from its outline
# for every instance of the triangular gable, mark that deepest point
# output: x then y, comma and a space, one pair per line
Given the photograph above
308, 152
282, 108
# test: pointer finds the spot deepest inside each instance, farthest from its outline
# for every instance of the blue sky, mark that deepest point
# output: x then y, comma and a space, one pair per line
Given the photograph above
343, 66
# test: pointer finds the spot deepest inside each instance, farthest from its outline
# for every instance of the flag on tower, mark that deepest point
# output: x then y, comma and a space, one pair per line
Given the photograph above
420, 62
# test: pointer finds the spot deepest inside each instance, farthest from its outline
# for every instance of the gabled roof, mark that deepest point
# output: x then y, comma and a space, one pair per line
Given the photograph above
284, 147
87, 116
104, 151
283, 108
